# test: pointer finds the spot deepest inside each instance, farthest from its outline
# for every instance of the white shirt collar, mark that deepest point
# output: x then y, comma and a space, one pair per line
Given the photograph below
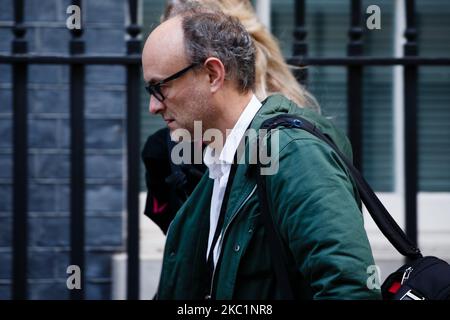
217, 166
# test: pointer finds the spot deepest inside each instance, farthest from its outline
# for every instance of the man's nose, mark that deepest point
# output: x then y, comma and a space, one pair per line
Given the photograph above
155, 105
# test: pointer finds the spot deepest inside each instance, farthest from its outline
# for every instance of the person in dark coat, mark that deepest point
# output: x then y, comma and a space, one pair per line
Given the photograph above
168, 184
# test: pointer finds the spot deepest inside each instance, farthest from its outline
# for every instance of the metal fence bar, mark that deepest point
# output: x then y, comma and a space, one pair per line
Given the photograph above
63, 59
133, 152
410, 114
296, 61
355, 85
369, 61
20, 160
300, 46
77, 168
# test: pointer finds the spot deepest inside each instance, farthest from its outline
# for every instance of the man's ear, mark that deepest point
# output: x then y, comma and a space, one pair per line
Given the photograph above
216, 73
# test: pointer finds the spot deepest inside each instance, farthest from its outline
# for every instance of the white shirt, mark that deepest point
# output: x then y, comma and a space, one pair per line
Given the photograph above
219, 169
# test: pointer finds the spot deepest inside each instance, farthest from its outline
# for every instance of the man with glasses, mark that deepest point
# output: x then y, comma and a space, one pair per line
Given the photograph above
168, 184
200, 66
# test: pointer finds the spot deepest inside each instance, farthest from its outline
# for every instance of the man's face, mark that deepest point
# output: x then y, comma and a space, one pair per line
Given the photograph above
186, 98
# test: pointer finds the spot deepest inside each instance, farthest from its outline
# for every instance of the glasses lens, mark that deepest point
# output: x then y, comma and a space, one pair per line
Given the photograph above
155, 91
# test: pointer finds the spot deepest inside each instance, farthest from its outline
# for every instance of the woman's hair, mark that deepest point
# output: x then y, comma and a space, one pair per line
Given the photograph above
272, 74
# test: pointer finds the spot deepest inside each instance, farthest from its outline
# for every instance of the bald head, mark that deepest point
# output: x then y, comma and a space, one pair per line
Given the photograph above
163, 50
200, 33
206, 60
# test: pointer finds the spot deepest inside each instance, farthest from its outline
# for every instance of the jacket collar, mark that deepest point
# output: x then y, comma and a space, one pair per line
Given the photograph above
217, 163
244, 183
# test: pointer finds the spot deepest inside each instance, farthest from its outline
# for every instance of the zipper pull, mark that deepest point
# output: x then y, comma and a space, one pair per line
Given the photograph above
406, 274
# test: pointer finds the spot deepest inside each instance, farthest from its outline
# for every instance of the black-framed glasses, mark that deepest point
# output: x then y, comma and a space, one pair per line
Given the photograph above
155, 89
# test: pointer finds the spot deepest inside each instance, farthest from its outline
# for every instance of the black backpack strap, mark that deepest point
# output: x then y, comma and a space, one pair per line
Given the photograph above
378, 212
278, 254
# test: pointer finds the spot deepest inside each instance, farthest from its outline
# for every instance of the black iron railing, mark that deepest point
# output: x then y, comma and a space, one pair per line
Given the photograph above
20, 158
77, 170
410, 95
77, 60
355, 63
133, 146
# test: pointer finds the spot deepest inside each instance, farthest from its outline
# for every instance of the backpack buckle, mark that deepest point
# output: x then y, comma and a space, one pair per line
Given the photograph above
412, 295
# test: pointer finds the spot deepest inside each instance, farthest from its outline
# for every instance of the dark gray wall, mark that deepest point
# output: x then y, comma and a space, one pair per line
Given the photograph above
49, 135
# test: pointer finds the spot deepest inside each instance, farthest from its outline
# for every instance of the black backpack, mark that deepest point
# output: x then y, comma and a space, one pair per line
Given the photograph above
424, 278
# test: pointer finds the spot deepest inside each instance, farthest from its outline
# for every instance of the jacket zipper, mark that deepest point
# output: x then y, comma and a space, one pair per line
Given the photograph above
224, 233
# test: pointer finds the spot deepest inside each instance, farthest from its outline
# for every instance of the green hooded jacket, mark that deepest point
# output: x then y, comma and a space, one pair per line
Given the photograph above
315, 206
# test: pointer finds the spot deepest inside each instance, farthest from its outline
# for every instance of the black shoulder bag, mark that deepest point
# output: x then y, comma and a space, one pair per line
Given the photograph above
421, 279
